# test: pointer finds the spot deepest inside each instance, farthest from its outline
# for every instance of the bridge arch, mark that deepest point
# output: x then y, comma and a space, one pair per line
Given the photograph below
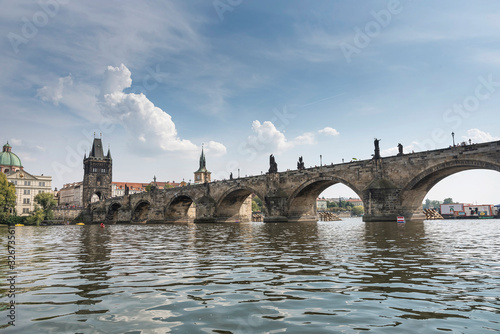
112, 214
96, 197
229, 206
413, 194
141, 212
177, 210
302, 202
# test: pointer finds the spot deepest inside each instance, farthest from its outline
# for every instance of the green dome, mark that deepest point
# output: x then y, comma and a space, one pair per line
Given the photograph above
7, 158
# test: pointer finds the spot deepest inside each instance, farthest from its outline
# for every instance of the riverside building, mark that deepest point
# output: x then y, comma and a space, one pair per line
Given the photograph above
27, 185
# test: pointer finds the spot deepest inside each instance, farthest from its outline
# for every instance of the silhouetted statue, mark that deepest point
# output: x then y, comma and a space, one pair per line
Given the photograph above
400, 149
231, 176
127, 190
273, 166
300, 164
377, 149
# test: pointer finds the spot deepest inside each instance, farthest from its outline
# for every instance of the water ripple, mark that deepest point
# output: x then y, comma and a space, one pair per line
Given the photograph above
244, 278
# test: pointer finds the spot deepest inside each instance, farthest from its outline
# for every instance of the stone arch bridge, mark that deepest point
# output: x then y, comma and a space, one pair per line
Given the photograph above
389, 187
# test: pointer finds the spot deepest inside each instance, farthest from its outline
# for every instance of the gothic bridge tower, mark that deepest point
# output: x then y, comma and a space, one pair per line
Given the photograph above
202, 175
97, 174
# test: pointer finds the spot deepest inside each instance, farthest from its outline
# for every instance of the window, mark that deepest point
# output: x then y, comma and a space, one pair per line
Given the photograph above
27, 183
41, 184
26, 210
14, 182
26, 191
26, 201
103, 170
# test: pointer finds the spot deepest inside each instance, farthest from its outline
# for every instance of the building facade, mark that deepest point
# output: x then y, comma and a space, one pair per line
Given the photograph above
27, 185
321, 204
71, 195
118, 188
355, 202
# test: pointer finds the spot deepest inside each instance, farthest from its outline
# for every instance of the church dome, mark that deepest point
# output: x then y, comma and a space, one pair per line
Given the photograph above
7, 158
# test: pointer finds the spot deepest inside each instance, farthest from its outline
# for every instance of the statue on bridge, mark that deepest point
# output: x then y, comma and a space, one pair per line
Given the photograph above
400, 149
127, 190
231, 176
273, 166
300, 164
377, 149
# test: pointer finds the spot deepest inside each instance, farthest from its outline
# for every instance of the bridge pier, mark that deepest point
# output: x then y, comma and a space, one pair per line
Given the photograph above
383, 203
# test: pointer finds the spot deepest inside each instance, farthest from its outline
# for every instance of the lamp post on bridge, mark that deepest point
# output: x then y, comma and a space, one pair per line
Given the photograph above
453, 136
320, 160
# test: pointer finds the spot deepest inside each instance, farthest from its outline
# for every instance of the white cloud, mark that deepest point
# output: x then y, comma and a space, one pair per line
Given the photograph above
329, 131
215, 149
16, 142
152, 127
54, 93
478, 136
269, 139
307, 139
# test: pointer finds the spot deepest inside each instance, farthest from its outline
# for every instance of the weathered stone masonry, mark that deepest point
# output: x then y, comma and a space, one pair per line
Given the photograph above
389, 187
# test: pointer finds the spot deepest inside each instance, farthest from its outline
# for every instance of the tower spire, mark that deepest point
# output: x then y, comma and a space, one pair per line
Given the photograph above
203, 162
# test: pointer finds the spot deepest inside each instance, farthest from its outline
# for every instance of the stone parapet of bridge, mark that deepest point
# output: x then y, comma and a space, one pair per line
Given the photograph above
389, 187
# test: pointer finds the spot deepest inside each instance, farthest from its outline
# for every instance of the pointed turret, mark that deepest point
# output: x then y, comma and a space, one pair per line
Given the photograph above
7, 147
202, 175
203, 162
96, 151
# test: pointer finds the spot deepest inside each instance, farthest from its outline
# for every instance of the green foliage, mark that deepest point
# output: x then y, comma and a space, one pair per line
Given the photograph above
358, 210
47, 203
256, 204
433, 204
36, 217
13, 219
148, 188
448, 200
7, 198
330, 205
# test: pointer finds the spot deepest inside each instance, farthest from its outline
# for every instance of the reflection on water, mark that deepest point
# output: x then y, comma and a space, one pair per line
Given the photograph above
322, 277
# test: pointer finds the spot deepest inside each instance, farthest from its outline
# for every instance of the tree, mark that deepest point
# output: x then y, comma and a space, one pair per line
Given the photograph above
7, 198
36, 216
358, 210
330, 205
448, 200
256, 204
431, 204
47, 203
427, 204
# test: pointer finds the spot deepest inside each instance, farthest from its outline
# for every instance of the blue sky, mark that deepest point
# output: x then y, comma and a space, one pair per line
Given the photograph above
246, 79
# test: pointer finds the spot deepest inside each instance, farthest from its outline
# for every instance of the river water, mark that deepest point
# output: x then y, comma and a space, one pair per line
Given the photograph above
324, 277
